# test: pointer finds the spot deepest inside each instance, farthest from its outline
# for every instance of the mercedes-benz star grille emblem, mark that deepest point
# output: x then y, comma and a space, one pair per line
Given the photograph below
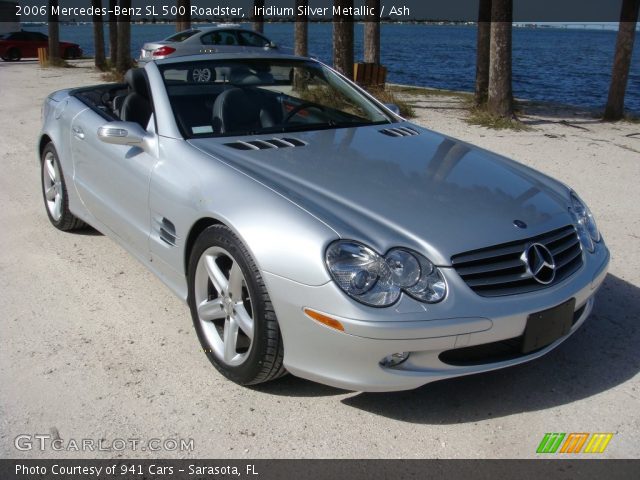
539, 262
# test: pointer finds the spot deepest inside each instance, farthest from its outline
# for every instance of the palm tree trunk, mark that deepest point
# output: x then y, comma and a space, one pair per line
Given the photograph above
301, 31
258, 18
54, 34
483, 52
343, 39
183, 21
300, 44
622, 61
124, 39
98, 36
500, 102
372, 34
113, 34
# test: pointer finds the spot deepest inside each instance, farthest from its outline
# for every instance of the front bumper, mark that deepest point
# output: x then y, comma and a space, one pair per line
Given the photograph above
351, 359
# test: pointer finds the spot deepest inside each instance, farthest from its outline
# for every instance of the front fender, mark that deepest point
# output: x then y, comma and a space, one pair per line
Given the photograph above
188, 185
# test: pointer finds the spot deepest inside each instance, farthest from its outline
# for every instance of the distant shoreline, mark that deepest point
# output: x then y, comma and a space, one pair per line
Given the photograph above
442, 23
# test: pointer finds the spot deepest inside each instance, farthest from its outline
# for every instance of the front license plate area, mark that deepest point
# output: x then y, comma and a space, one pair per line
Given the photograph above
544, 328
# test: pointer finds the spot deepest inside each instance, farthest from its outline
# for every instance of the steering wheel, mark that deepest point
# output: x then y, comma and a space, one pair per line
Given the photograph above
299, 108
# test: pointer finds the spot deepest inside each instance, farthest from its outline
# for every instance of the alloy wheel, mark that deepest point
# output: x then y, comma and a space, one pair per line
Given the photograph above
52, 181
223, 306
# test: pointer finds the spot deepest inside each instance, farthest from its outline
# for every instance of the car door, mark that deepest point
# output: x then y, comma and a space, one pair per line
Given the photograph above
112, 180
39, 40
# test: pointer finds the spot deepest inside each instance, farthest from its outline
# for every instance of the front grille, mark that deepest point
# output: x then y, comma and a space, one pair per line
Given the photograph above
500, 270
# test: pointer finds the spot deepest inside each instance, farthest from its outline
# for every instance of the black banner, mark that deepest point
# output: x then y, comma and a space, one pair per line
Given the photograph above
524, 11
582, 469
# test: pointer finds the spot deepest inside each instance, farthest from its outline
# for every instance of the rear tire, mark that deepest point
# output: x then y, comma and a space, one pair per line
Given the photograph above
12, 55
54, 192
231, 310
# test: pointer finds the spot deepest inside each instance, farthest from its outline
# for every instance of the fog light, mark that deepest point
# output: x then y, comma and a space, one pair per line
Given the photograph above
394, 359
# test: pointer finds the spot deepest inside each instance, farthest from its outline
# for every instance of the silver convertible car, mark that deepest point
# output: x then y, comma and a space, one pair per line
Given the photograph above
313, 231
222, 38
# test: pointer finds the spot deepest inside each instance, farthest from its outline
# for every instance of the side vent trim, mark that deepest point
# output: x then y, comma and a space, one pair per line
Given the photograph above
264, 144
400, 132
167, 231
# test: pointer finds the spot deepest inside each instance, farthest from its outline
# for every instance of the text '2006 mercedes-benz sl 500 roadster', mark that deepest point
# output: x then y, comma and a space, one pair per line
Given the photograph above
311, 230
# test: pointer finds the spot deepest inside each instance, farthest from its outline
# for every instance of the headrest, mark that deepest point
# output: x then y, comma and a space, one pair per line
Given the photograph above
233, 111
136, 78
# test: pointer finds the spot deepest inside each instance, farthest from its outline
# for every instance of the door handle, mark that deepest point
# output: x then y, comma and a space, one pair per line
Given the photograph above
78, 132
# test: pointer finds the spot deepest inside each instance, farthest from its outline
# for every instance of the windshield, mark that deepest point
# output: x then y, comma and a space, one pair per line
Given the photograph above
260, 96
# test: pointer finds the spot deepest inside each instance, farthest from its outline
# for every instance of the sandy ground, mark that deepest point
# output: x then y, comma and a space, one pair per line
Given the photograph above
93, 346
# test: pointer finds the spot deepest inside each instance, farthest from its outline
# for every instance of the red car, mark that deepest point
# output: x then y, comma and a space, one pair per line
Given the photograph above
17, 45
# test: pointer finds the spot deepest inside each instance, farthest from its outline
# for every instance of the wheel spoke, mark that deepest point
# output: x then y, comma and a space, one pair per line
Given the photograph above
57, 208
50, 193
244, 320
51, 171
235, 282
230, 339
211, 310
218, 279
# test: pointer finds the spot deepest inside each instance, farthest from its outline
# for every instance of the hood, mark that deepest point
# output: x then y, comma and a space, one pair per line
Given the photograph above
427, 191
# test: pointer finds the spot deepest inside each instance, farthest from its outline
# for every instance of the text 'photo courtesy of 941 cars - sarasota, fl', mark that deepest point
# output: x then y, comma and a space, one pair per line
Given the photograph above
312, 230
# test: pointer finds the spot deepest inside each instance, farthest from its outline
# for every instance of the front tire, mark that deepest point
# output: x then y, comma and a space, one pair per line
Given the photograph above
54, 192
231, 310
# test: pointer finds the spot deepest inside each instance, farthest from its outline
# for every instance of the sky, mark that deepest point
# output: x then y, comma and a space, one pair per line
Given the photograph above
524, 10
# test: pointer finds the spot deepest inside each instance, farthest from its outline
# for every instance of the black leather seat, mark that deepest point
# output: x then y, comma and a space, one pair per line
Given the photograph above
137, 105
233, 111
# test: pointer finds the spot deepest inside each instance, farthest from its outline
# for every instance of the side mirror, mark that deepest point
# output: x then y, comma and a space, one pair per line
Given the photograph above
125, 133
273, 45
393, 107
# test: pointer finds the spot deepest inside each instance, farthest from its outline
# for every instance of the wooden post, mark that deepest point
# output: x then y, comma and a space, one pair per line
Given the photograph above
43, 56
369, 75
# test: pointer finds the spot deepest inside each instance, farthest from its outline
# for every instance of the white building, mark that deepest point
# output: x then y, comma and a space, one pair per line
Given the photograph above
9, 21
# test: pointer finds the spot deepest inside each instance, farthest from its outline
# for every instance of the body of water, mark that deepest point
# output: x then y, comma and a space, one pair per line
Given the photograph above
570, 66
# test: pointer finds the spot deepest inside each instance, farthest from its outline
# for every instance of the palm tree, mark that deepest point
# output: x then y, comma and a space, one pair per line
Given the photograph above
372, 34
98, 36
54, 33
500, 98
343, 38
483, 52
622, 61
183, 22
300, 44
258, 18
124, 38
301, 31
113, 33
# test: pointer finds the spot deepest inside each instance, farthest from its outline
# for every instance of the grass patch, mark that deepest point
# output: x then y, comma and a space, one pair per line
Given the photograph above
430, 92
631, 118
113, 76
479, 116
386, 95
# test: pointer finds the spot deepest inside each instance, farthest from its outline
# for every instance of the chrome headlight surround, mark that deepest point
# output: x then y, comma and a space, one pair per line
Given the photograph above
378, 281
584, 222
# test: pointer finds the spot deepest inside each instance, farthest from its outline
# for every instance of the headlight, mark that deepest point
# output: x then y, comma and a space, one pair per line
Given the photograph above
374, 280
585, 223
